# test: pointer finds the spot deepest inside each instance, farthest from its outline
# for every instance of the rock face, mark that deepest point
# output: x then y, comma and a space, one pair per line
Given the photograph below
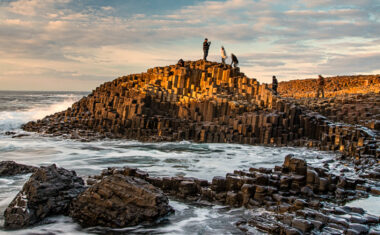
49, 191
9, 168
334, 86
119, 201
202, 102
302, 199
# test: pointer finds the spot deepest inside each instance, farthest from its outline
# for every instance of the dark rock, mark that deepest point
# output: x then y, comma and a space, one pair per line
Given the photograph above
49, 191
218, 184
9, 168
361, 228
303, 225
295, 165
265, 224
118, 201
375, 190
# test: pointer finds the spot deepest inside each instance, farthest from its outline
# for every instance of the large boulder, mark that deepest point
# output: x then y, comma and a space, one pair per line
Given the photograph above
119, 201
295, 165
49, 191
9, 168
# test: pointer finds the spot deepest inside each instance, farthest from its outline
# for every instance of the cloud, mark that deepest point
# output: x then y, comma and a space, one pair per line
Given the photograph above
292, 39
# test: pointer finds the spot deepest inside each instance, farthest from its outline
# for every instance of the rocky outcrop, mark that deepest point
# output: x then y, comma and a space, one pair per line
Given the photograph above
202, 102
302, 199
334, 86
9, 168
49, 191
119, 201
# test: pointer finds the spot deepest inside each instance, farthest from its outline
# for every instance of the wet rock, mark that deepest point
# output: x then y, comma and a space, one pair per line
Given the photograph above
265, 224
360, 228
375, 190
119, 201
295, 165
303, 225
218, 184
188, 188
49, 191
9, 168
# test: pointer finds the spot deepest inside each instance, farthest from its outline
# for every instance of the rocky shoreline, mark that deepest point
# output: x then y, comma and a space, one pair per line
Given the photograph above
297, 198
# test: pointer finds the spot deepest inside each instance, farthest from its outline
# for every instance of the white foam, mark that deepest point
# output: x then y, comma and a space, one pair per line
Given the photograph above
13, 120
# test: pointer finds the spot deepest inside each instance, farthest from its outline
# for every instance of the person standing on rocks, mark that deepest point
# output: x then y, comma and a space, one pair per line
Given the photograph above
181, 63
321, 84
234, 60
206, 47
274, 84
224, 55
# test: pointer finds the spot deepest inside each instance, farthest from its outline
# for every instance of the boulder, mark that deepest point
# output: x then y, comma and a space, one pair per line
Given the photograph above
49, 191
9, 168
295, 165
119, 201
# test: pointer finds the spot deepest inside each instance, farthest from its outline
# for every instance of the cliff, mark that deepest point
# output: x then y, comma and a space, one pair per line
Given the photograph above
334, 86
202, 102
350, 99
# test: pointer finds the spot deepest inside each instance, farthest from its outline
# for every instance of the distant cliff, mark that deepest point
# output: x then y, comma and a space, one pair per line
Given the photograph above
335, 86
201, 102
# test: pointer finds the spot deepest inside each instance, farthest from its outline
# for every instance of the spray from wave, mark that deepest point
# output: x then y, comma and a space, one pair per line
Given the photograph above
11, 120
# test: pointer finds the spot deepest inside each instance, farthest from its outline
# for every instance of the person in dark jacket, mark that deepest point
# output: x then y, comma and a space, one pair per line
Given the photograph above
181, 62
274, 84
321, 85
206, 47
234, 60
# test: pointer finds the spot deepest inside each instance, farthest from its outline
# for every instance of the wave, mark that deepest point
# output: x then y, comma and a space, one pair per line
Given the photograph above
11, 120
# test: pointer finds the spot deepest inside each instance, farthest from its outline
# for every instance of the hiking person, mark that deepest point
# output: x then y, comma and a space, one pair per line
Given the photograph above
206, 46
234, 60
321, 84
274, 84
181, 62
224, 55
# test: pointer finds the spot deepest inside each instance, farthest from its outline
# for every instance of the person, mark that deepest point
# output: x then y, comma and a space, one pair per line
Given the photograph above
321, 84
206, 46
234, 60
181, 63
274, 84
224, 55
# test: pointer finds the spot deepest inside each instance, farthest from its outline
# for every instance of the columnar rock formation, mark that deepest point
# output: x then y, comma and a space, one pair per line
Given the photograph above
350, 99
202, 102
334, 86
302, 199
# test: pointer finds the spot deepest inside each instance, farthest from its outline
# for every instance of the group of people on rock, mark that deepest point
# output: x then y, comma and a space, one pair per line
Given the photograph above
206, 47
235, 63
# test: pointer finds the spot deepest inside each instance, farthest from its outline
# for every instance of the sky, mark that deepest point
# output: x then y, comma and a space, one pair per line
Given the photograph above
77, 45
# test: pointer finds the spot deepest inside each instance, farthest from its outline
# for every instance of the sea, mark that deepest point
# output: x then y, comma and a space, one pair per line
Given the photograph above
159, 159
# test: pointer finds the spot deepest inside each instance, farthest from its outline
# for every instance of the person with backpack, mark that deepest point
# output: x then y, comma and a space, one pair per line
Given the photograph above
234, 60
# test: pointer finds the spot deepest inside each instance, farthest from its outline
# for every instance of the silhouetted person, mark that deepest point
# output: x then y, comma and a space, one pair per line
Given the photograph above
234, 60
321, 85
274, 84
181, 62
206, 46
224, 55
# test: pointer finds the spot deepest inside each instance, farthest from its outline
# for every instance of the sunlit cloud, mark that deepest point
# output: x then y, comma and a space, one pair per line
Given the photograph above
74, 40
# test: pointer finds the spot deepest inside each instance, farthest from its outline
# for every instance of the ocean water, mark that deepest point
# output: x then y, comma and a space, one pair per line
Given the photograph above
160, 159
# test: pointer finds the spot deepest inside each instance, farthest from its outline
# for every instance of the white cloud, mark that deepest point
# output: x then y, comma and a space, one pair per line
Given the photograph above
291, 39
